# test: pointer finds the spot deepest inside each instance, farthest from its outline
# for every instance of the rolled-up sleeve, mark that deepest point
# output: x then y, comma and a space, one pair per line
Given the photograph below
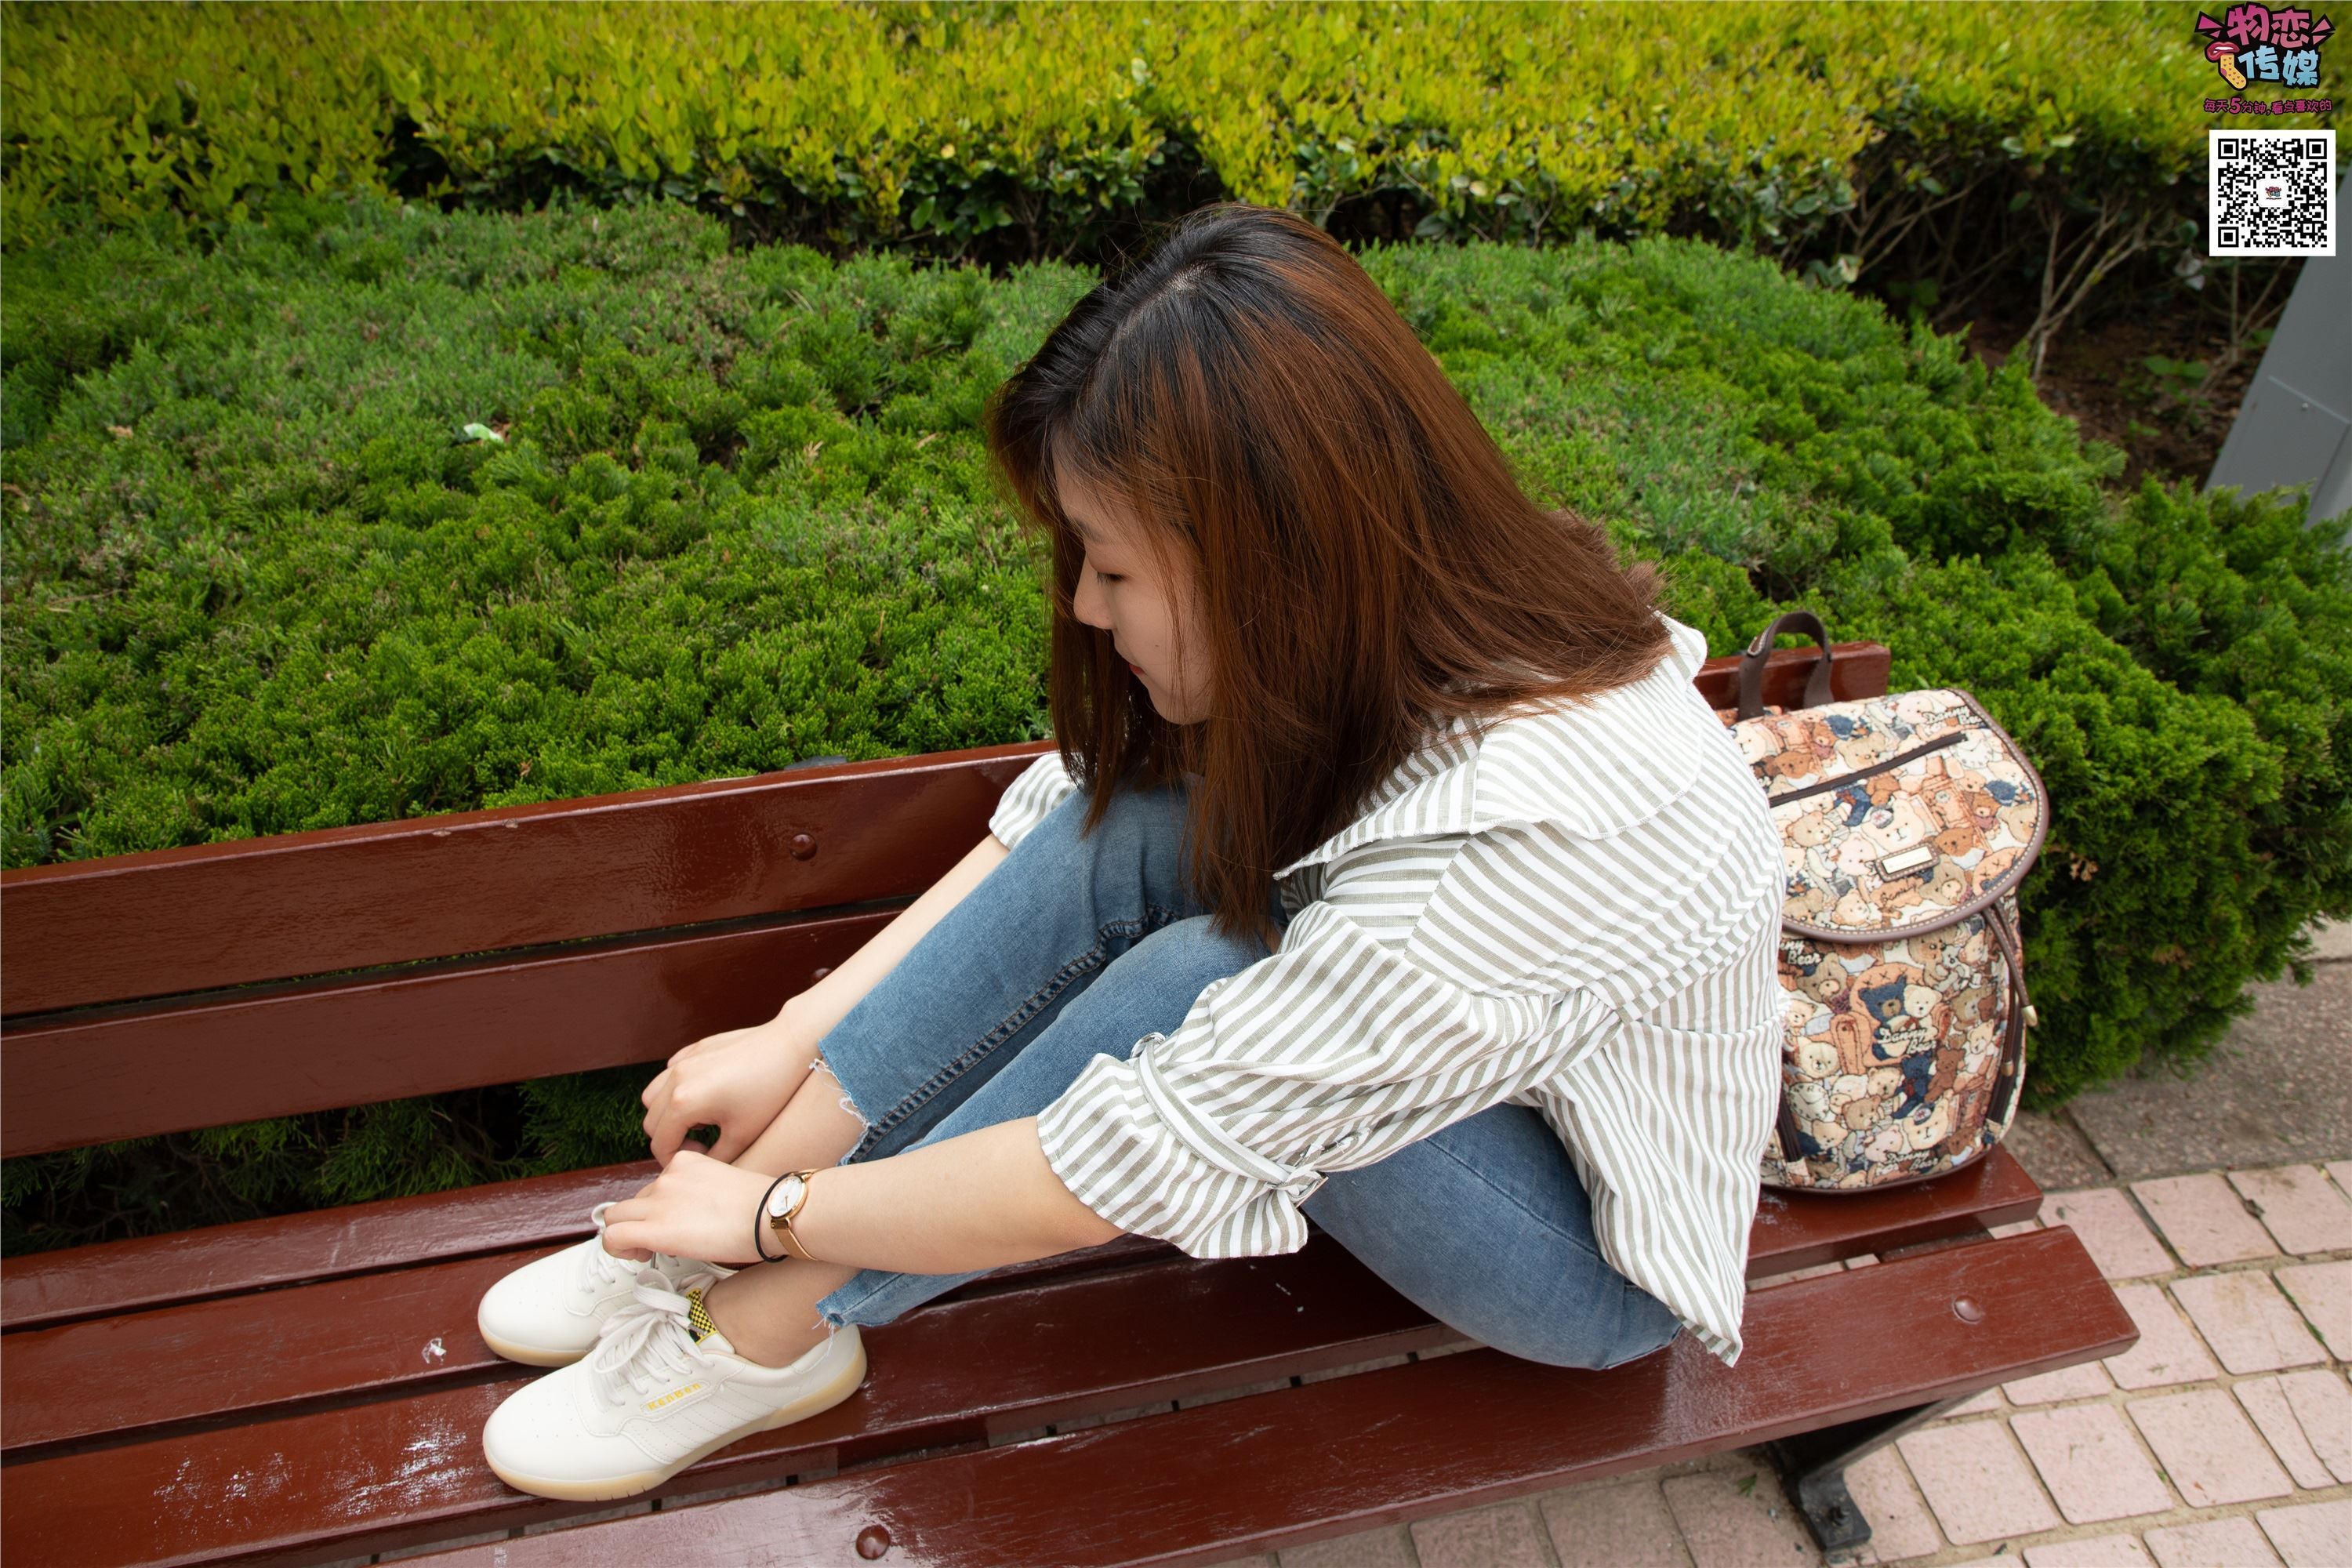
1330, 1054
1037, 790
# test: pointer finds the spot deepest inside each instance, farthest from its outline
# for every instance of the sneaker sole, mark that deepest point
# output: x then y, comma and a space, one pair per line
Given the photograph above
529, 1356
843, 1385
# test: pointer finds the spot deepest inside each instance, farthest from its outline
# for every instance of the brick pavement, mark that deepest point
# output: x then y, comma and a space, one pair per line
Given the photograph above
2224, 1439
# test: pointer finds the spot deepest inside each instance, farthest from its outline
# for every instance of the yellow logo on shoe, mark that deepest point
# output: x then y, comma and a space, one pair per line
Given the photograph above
672, 1396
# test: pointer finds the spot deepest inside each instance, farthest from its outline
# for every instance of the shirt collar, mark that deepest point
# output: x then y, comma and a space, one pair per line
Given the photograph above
1594, 768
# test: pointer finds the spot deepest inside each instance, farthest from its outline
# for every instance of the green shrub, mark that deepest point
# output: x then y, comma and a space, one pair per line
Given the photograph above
262, 583
1821, 133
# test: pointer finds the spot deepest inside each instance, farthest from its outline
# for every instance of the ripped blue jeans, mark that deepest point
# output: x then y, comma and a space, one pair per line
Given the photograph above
1072, 946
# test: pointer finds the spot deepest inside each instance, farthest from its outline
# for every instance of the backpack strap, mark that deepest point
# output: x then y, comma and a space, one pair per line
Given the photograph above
2012, 1044
1752, 662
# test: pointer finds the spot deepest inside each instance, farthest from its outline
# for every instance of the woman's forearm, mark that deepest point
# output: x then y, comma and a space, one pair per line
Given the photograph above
979, 1200
811, 1013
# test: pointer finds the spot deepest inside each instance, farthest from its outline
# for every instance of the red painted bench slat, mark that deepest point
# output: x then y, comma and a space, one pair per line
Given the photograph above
167, 1068
1240, 1475
381, 1332
50, 1288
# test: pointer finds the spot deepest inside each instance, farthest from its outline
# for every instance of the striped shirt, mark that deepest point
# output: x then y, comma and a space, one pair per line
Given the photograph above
1580, 914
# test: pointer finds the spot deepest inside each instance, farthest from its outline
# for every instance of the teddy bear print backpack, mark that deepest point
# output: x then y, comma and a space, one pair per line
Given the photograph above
1907, 823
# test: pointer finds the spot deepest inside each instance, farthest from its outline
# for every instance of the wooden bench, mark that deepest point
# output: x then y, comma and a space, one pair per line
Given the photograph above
311, 1388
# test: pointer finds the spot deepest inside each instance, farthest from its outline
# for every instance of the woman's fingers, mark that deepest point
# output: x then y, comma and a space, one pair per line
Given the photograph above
667, 1130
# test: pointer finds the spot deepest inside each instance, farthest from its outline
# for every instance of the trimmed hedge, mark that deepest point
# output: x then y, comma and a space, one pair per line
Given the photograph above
1824, 133
263, 583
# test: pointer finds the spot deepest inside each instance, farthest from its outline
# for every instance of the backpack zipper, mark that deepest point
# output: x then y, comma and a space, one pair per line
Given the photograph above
1897, 760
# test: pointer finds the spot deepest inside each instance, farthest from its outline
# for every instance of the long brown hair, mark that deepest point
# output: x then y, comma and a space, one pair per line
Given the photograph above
1369, 569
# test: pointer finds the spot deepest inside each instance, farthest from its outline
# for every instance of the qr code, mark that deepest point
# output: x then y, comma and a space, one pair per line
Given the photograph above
2273, 191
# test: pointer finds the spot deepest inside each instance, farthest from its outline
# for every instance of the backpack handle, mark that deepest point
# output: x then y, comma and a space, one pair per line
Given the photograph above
1752, 662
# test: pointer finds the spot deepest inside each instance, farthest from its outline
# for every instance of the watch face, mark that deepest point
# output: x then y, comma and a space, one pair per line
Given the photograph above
787, 1193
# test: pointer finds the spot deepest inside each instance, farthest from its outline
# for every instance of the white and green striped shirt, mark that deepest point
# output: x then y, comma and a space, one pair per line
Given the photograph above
1580, 914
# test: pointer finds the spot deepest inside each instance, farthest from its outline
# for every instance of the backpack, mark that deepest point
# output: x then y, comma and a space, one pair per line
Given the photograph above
1907, 823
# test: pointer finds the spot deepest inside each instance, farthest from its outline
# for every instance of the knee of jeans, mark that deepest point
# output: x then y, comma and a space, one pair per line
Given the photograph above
1643, 1327
1133, 820
1192, 949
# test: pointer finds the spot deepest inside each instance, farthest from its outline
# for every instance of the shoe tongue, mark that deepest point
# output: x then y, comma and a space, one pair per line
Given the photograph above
701, 1328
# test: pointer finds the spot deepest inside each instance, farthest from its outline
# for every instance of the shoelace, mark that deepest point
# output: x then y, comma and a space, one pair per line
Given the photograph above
599, 1267
647, 1340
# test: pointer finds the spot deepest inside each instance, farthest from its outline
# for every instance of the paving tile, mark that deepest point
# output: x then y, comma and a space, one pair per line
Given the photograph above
2324, 1291
1988, 1400
2203, 1220
2167, 1350
2310, 1536
1728, 1522
2342, 1170
2209, 1450
1387, 1547
2090, 1462
2213, 1543
1900, 1524
2248, 1324
1263, 1559
2111, 1231
2300, 1207
2321, 1403
2015, 1227
1616, 1524
2087, 1381
1977, 1481
2095, 1552
1506, 1536
2264, 1399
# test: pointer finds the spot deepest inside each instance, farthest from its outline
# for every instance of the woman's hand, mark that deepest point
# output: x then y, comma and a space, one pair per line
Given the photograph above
736, 1080
697, 1207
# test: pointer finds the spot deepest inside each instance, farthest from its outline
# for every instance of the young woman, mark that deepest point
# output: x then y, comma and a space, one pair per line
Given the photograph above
1391, 873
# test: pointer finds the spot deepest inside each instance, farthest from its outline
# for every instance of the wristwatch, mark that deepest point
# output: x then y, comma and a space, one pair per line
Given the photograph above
784, 1200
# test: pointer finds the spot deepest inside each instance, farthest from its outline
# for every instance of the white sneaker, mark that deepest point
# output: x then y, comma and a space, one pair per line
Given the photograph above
663, 1389
548, 1312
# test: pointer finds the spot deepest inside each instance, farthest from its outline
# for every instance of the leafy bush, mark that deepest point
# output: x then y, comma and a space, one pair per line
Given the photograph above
263, 583
1842, 138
